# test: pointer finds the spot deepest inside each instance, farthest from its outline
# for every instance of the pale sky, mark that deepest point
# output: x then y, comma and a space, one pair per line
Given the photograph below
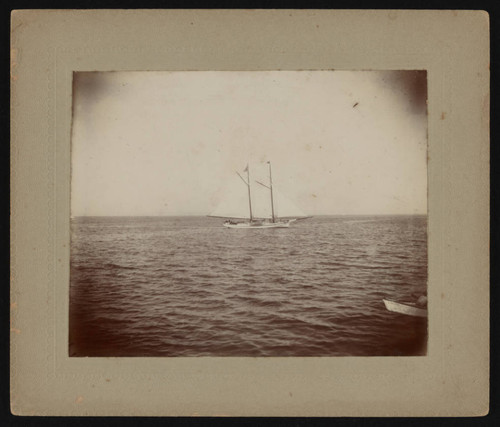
169, 143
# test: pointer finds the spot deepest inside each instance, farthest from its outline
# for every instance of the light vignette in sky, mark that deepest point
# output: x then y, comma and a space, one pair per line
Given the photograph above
169, 143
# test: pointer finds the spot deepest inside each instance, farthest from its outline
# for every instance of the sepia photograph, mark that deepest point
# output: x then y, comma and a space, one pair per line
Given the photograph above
266, 213
250, 213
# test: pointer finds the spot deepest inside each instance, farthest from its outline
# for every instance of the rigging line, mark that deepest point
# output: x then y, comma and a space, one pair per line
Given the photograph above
243, 179
264, 185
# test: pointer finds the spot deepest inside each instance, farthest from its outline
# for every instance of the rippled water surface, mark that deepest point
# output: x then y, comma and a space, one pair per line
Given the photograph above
186, 286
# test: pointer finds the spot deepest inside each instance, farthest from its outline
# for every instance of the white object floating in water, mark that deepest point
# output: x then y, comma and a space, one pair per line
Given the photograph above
259, 224
406, 308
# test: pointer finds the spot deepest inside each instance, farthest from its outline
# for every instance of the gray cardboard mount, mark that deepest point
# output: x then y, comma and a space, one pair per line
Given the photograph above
453, 46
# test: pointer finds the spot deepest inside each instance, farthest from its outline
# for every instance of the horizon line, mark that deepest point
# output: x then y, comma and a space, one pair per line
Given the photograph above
208, 216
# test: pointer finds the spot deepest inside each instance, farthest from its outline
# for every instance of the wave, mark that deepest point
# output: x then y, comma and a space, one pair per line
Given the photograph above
194, 289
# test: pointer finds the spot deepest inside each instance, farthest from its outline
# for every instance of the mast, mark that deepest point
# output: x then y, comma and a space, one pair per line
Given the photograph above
271, 188
249, 197
247, 182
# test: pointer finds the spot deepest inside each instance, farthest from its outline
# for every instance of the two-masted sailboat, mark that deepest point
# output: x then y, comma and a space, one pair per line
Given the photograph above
259, 220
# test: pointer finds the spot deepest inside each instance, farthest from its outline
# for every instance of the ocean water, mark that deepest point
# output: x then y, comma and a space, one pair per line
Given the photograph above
186, 286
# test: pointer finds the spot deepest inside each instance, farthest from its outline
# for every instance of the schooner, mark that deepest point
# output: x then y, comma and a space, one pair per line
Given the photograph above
251, 220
